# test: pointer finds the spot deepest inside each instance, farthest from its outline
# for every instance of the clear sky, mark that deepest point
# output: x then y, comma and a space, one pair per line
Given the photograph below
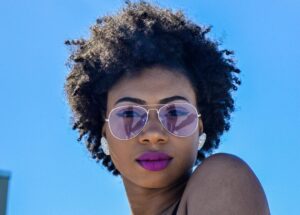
52, 174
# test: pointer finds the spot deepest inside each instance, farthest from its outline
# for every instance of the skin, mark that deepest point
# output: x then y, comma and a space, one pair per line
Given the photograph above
230, 188
158, 192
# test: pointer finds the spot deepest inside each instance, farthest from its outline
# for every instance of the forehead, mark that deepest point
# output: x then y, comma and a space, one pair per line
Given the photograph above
152, 85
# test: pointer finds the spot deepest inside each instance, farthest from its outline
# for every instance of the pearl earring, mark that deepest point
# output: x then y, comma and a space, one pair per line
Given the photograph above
202, 139
104, 146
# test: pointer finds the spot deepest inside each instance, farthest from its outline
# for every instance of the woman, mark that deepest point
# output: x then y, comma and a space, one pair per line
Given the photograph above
151, 94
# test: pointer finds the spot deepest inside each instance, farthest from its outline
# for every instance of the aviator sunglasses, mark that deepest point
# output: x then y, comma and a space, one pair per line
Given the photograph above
179, 119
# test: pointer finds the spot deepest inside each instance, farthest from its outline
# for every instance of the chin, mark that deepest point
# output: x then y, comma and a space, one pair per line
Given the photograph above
158, 180
156, 184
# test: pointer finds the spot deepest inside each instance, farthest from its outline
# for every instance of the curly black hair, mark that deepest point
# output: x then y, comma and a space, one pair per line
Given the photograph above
139, 36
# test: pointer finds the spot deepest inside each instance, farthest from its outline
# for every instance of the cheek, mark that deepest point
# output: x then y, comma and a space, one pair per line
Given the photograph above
121, 153
115, 149
192, 150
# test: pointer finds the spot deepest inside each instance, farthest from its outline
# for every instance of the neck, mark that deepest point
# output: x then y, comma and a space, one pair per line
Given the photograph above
154, 200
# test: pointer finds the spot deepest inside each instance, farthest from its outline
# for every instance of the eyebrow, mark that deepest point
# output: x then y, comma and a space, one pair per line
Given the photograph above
142, 102
171, 99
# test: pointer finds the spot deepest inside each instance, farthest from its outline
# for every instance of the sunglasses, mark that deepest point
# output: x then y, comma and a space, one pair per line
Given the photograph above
179, 119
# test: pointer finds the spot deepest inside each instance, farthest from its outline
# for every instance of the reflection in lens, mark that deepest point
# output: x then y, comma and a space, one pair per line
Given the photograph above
127, 122
181, 125
134, 125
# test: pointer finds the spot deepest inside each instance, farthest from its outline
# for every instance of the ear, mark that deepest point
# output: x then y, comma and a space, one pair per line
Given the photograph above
103, 131
200, 125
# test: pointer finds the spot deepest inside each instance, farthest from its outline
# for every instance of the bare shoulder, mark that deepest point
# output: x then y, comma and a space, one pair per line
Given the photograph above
224, 184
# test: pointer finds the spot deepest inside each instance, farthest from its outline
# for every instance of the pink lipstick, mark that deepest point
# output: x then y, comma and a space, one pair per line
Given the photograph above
154, 161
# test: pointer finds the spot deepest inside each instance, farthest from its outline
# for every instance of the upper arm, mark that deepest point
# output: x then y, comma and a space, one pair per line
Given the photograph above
224, 184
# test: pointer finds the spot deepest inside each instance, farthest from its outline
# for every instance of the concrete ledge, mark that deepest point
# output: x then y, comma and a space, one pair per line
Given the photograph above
5, 174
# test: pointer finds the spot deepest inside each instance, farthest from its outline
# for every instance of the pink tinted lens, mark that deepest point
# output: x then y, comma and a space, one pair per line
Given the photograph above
127, 122
179, 119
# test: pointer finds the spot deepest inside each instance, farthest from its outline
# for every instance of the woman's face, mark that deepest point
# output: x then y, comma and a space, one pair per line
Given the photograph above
153, 86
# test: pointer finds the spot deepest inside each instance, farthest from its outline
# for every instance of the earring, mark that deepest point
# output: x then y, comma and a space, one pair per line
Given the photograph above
202, 139
104, 146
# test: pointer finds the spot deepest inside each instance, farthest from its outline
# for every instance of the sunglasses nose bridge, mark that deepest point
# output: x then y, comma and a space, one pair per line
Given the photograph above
153, 109
153, 130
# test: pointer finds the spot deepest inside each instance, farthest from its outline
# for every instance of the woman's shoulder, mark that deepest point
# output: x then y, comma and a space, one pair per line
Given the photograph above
223, 184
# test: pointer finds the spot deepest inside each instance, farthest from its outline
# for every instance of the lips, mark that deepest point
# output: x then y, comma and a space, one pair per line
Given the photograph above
154, 161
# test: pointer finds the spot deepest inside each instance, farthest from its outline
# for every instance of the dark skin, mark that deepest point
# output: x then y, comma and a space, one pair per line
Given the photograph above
156, 193
223, 184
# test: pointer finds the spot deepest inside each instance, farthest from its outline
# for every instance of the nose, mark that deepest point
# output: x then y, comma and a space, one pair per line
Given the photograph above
153, 132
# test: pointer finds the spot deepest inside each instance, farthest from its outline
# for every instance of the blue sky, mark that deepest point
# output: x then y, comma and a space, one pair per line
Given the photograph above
53, 174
